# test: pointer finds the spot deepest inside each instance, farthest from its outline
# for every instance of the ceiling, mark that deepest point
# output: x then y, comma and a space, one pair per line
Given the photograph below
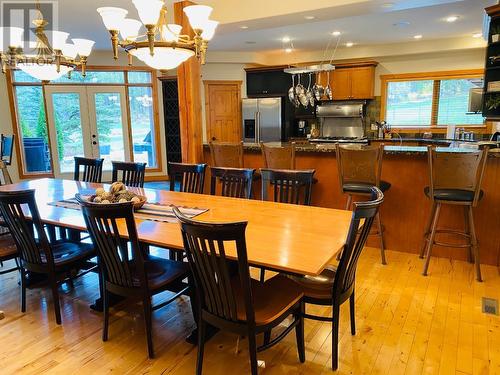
362, 22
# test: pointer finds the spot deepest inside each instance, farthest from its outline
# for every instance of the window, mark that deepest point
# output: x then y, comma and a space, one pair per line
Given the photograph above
426, 100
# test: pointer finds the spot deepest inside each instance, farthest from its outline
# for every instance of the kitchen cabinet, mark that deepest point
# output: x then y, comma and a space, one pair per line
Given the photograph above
351, 81
267, 82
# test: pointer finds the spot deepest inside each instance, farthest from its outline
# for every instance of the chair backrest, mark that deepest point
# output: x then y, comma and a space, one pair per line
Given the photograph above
104, 223
457, 170
356, 239
205, 245
288, 186
92, 169
132, 174
278, 157
235, 182
189, 177
226, 154
359, 163
6, 148
15, 206
6, 179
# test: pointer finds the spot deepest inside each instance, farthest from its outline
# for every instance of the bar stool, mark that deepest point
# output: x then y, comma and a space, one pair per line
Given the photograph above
455, 179
226, 154
278, 157
359, 169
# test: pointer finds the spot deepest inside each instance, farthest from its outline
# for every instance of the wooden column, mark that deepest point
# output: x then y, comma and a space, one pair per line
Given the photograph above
188, 81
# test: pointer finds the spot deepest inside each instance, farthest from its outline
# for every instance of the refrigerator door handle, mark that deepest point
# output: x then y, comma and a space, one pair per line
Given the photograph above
257, 127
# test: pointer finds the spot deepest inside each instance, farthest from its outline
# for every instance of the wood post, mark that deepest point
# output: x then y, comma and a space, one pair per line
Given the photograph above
188, 81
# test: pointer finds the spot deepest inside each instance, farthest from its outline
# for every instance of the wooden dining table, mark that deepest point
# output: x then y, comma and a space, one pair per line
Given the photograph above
281, 237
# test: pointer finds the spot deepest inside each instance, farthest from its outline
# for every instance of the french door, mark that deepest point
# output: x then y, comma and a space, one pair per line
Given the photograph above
90, 121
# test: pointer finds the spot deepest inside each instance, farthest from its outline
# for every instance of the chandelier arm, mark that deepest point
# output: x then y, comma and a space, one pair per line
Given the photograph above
151, 38
114, 43
160, 44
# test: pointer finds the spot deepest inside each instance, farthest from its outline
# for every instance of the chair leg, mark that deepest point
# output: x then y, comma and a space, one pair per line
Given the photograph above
475, 247
430, 242
428, 229
267, 337
55, 297
262, 275
299, 334
470, 257
146, 302
352, 311
252, 349
335, 338
23, 289
105, 307
381, 237
349, 202
201, 346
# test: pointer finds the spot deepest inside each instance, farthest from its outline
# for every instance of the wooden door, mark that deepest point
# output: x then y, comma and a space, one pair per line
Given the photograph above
340, 81
223, 110
362, 82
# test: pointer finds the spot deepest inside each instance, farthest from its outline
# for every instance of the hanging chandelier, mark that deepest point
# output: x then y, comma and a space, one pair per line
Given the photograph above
52, 56
163, 46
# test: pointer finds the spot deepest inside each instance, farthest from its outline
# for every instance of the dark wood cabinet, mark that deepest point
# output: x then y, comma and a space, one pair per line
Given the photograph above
267, 82
491, 99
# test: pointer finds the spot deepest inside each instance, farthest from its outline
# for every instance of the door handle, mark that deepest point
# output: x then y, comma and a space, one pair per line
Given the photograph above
94, 142
213, 138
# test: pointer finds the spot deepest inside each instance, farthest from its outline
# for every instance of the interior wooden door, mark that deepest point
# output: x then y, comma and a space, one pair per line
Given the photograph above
223, 110
362, 82
340, 81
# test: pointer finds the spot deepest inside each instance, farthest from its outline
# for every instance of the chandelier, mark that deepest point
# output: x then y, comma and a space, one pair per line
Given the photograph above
163, 46
52, 56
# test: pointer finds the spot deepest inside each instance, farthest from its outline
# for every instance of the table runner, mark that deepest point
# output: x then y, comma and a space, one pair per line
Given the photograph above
150, 211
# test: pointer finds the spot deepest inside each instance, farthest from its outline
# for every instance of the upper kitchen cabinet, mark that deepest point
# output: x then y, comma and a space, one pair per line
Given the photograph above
267, 81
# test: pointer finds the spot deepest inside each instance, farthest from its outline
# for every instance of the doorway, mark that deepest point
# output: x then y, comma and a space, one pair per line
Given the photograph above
95, 122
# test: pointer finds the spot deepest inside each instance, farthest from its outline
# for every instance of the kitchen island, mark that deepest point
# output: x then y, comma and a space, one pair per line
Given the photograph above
405, 209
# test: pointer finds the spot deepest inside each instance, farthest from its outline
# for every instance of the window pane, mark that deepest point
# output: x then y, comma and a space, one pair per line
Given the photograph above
141, 116
33, 128
109, 127
409, 103
93, 77
20, 76
68, 129
454, 102
139, 77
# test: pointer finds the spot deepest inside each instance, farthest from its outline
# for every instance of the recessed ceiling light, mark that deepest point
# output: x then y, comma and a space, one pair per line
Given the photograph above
451, 19
417, 36
285, 39
477, 35
250, 42
309, 17
244, 27
401, 24
288, 50
387, 5
336, 33
349, 44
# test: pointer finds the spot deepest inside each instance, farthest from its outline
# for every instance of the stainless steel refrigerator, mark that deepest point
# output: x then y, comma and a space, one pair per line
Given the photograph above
262, 120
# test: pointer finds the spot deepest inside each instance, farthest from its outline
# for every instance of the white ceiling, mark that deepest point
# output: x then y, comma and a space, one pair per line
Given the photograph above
363, 22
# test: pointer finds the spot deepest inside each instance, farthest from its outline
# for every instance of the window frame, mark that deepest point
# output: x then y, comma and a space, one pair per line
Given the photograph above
437, 77
11, 86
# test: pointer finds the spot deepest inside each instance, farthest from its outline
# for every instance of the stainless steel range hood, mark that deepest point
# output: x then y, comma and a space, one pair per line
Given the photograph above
341, 119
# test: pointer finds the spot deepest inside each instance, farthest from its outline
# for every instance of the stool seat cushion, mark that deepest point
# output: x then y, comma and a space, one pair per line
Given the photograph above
363, 188
457, 195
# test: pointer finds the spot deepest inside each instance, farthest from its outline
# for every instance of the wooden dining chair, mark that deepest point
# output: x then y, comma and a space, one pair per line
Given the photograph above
132, 174
138, 277
226, 154
288, 186
190, 178
92, 169
232, 301
56, 259
234, 182
336, 284
278, 157
8, 251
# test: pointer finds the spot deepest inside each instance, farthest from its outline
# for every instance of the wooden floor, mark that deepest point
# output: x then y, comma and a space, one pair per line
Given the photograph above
407, 324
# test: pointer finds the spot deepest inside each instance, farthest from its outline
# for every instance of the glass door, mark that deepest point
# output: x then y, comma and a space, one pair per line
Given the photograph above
87, 121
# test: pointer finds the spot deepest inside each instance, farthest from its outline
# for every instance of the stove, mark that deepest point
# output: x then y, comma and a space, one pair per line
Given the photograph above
342, 140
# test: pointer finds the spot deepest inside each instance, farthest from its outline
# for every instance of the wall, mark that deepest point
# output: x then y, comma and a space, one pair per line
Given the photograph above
103, 58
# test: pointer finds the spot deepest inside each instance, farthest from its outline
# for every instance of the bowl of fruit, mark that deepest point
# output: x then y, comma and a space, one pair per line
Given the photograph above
117, 193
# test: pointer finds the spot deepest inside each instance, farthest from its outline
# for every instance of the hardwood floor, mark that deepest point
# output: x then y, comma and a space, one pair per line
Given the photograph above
407, 324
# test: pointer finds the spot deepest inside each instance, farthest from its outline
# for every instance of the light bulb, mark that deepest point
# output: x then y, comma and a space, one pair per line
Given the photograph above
198, 15
149, 10
209, 30
112, 17
83, 46
129, 29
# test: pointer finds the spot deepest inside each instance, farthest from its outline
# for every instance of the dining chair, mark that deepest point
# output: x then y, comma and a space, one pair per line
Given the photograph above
234, 182
92, 169
190, 178
359, 169
455, 180
336, 284
288, 186
138, 277
6, 148
55, 259
8, 251
5, 175
226, 154
232, 301
278, 157
132, 174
